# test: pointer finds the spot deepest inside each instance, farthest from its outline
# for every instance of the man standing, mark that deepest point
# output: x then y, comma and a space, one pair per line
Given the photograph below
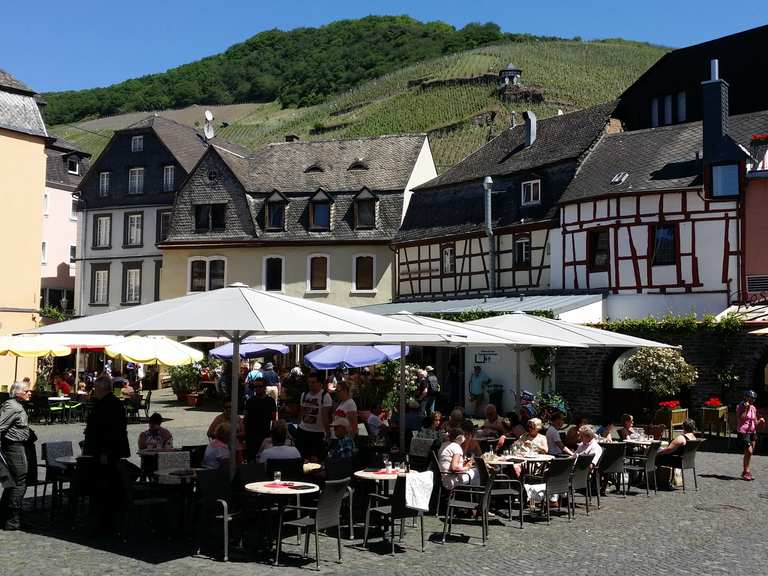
433, 389
14, 432
271, 379
106, 439
314, 420
260, 415
477, 385
251, 378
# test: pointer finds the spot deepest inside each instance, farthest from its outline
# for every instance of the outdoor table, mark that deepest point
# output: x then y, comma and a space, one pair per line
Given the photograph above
381, 476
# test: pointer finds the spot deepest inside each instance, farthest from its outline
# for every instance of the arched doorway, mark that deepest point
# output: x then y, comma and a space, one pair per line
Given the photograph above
619, 395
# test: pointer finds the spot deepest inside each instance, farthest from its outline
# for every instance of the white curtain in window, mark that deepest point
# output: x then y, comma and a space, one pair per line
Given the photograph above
101, 286
134, 229
102, 231
133, 285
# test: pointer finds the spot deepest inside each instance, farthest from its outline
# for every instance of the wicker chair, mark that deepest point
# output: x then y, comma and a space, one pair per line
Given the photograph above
612, 462
391, 508
581, 479
557, 481
646, 465
470, 498
503, 487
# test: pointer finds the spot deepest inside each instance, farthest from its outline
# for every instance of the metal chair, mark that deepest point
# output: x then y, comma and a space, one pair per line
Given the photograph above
472, 499
581, 479
338, 469
196, 454
214, 503
145, 403
327, 514
612, 462
557, 481
55, 472
439, 475
507, 487
686, 460
167, 461
646, 465
392, 508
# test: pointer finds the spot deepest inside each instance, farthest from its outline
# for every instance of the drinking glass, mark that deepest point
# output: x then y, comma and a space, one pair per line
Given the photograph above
277, 476
385, 459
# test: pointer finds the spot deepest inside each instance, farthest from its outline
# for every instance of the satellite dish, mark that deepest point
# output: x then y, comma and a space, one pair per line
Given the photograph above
208, 127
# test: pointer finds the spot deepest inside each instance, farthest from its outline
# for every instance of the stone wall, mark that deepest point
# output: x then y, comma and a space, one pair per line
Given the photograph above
583, 375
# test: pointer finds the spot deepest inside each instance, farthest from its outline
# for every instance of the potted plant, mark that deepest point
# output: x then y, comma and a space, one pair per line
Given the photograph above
662, 373
184, 380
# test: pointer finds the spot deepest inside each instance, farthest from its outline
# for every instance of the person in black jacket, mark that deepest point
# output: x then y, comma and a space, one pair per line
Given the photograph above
106, 440
14, 433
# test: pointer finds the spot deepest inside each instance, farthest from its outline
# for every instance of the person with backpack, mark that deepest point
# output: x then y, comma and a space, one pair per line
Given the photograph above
433, 389
314, 420
747, 429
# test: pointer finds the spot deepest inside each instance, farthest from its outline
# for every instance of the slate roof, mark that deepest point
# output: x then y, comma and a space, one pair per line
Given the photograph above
9, 82
18, 109
389, 159
282, 166
56, 173
654, 159
558, 138
185, 143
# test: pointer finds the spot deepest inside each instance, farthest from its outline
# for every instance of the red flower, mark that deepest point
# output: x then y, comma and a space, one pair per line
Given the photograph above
671, 404
713, 401
759, 137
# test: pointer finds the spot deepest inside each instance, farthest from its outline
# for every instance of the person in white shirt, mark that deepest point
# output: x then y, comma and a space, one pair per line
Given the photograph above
588, 444
279, 450
456, 470
314, 420
554, 443
346, 408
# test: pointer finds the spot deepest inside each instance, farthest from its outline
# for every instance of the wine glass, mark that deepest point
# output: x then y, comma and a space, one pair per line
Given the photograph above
385, 459
277, 475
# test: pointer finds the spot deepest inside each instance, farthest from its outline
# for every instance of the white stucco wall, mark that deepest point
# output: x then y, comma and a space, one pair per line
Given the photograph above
59, 233
500, 364
619, 306
423, 171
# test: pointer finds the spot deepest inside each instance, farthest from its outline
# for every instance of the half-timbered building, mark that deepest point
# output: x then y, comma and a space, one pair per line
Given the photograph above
656, 217
464, 235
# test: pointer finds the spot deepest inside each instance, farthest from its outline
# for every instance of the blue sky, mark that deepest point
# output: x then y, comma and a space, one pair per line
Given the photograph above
58, 45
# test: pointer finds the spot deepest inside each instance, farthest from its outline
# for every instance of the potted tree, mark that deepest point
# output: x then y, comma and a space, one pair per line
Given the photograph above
184, 380
663, 373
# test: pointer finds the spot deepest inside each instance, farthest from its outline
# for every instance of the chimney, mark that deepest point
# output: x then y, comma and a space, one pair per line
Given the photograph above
530, 127
488, 188
715, 108
291, 138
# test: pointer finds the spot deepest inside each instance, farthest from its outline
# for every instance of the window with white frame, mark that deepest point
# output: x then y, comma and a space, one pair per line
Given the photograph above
725, 180
318, 272
132, 283
137, 143
136, 181
104, 184
531, 193
207, 273
99, 283
73, 207
44, 256
169, 178
273, 273
134, 229
73, 166
102, 231
448, 259
163, 225
523, 251
364, 273
72, 253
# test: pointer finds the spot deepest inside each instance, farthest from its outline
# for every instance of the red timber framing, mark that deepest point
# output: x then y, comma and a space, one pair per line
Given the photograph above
631, 220
420, 271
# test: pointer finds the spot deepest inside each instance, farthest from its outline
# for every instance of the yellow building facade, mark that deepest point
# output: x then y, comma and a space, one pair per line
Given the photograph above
22, 180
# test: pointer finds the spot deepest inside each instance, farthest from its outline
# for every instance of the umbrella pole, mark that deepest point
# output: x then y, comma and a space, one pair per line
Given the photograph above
402, 398
517, 378
16, 369
77, 365
235, 396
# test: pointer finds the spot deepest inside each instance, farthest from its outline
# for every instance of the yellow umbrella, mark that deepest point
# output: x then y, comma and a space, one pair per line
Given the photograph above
153, 350
32, 346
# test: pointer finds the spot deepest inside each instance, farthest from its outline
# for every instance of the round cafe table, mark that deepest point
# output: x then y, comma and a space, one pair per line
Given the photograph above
282, 488
381, 476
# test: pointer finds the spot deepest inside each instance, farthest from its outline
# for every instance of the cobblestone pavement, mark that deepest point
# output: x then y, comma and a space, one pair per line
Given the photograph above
719, 529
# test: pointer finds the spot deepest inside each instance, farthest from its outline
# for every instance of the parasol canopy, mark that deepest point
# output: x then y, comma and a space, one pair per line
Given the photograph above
333, 356
154, 350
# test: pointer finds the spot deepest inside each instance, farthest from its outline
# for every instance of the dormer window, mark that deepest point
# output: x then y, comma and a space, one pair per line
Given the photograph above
314, 168
137, 143
725, 180
365, 209
275, 211
73, 166
320, 211
531, 192
358, 164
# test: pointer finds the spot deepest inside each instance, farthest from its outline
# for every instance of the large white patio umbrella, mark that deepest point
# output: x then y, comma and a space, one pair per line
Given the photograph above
523, 323
237, 312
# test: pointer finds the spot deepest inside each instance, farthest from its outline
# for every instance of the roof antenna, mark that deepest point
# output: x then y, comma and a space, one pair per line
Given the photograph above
208, 127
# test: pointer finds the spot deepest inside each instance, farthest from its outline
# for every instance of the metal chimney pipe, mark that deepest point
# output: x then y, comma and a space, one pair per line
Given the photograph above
714, 68
488, 188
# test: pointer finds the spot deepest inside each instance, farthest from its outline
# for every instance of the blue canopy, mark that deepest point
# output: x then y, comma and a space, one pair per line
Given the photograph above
334, 356
224, 352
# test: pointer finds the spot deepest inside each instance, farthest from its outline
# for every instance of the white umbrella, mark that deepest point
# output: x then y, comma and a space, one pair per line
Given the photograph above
237, 312
153, 350
523, 323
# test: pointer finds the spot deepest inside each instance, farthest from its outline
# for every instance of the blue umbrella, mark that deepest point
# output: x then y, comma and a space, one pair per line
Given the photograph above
334, 356
224, 352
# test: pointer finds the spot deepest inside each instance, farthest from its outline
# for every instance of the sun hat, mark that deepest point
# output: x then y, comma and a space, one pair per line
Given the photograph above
429, 369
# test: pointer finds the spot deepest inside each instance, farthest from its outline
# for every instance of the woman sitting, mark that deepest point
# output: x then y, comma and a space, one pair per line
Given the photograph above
278, 448
605, 431
626, 430
217, 452
588, 444
531, 441
512, 430
669, 456
572, 434
470, 446
456, 470
454, 419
